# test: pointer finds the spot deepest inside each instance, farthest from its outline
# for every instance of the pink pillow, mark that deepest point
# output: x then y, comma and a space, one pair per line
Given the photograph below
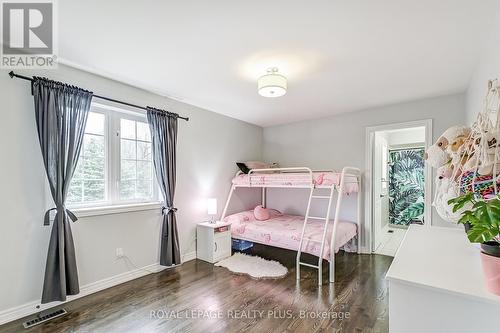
261, 213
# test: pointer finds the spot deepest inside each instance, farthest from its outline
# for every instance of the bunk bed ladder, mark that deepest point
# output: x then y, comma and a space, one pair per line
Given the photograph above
307, 218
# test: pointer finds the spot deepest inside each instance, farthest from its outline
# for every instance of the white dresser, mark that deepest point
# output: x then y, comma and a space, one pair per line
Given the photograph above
436, 285
213, 241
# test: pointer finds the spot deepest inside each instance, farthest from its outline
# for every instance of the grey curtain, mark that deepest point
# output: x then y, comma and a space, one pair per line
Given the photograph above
163, 126
61, 115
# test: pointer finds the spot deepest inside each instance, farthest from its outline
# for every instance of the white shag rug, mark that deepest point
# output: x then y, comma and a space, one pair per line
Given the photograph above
255, 267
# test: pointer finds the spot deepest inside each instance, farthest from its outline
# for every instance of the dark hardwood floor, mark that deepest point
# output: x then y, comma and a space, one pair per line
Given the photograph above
198, 297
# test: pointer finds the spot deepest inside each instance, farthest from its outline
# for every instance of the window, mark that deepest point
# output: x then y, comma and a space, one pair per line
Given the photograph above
89, 181
115, 165
136, 166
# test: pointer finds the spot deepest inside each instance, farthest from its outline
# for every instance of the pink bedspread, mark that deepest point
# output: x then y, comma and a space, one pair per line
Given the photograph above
320, 179
284, 231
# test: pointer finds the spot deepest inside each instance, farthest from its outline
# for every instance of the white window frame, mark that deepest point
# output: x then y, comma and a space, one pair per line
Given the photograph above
113, 204
115, 153
107, 201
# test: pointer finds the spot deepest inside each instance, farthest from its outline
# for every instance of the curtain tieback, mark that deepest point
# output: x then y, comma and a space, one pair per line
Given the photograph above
71, 215
166, 210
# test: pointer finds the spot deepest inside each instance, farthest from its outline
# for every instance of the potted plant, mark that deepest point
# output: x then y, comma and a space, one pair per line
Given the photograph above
482, 224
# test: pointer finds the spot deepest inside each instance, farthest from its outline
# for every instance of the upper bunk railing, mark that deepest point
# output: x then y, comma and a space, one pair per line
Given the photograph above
254, 173
254, 177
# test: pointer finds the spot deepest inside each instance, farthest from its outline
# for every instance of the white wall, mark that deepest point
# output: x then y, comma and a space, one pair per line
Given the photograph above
488, 68
337, 141
208, 147
406, 136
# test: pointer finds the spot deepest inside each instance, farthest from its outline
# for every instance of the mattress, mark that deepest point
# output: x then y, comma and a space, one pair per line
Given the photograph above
284, 231
296, 179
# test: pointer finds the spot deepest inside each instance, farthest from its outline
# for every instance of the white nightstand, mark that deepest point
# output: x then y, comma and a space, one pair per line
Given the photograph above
213, 241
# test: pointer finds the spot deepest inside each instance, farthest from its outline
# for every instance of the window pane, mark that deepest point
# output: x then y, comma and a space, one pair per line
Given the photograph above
127, 189
75, 194
78, 171
89, 180
128, 149
136, 163
127, 129
144, 170
94, 190
143, 131
128, 170
93, 168
95, 123
143, 151
94, 146
144, 189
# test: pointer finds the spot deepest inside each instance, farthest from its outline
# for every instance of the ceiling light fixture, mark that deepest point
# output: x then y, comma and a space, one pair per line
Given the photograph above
272, 84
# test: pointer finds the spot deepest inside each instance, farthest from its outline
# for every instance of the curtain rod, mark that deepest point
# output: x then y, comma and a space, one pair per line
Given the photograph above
12, 75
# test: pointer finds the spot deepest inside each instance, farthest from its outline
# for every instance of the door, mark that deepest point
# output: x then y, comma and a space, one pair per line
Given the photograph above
222, 245
380, 188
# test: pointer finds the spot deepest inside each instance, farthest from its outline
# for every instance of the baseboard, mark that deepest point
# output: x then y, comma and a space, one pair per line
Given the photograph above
35, 307
189, 256
365, 250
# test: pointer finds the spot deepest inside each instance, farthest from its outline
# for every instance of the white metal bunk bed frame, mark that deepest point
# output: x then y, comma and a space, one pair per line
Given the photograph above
340, 189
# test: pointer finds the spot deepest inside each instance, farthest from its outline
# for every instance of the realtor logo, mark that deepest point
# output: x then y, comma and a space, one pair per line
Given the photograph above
28, 34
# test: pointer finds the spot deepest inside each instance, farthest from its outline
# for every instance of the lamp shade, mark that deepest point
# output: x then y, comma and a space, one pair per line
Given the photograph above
272, 84
212, 206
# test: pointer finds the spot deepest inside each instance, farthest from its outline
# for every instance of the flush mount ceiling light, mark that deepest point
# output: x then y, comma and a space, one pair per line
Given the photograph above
272, 84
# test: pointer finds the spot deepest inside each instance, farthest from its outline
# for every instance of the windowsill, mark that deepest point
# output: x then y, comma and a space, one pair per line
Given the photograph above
115, 209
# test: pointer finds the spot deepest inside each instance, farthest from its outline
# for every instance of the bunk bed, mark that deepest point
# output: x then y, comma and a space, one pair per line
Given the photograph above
315, 235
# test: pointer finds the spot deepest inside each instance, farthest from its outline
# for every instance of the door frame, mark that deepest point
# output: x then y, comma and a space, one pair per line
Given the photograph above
369, 188
378, 185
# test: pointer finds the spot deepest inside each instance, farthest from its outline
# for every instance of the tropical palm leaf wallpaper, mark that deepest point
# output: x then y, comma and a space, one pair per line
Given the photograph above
406, 186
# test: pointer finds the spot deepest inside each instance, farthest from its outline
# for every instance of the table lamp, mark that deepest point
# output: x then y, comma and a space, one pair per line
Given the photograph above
212, 208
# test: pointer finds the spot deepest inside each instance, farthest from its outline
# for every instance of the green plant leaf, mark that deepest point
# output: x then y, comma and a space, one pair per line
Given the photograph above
493, 210
484, 218
468, 217
461, 201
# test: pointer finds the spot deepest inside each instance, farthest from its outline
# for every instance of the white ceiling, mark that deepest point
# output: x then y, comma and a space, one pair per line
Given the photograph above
339, 56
